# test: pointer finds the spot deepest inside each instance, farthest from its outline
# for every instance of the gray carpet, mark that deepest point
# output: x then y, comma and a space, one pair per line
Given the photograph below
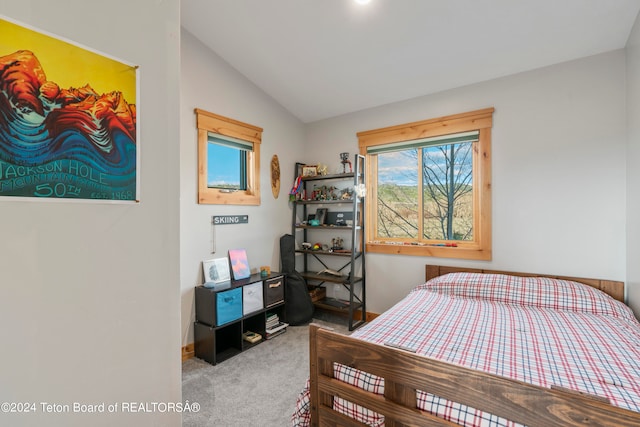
257, 388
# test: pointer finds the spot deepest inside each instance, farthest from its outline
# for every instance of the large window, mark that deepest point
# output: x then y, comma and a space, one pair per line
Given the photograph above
429, 187
228, 160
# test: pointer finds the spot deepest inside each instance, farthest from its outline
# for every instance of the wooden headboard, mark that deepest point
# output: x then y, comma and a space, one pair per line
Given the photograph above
613, 288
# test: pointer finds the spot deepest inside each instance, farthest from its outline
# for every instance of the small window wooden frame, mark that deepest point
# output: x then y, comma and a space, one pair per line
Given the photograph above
206, 123
481, 120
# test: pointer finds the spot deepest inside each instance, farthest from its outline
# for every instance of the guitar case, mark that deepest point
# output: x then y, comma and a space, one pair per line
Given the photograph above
298, 305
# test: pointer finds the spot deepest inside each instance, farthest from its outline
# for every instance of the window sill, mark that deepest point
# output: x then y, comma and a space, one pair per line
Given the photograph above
459, 252
217, 197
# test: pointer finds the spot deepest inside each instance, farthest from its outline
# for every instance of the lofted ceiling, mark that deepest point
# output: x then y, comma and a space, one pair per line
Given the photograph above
324, 58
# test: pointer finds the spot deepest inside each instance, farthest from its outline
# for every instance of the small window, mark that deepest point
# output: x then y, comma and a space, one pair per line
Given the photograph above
429, 187
227, 163
228, 160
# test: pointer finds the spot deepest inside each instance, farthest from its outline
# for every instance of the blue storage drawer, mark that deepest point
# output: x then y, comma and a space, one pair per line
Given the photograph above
228, 306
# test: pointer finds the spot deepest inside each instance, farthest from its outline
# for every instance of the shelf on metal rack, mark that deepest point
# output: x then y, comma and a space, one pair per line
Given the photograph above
329, 278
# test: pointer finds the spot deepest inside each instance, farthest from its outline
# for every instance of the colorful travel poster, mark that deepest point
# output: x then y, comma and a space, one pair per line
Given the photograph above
68, 120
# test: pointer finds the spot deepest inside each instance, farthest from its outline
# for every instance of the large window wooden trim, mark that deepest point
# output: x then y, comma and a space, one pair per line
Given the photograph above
480, 120
213, 123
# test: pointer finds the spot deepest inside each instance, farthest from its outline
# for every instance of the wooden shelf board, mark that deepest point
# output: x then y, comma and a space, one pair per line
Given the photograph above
327, 304
332, 176
342, 254
319, 202
329, 278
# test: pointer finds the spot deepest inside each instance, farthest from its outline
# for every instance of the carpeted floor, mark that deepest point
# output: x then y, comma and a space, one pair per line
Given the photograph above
256, 388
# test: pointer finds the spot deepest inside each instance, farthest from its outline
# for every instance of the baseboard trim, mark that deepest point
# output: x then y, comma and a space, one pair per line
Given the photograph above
188, 351
357, 314
369, 316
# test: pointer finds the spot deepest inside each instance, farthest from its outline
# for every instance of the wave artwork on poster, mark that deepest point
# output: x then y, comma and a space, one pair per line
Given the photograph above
239, 264
68, 120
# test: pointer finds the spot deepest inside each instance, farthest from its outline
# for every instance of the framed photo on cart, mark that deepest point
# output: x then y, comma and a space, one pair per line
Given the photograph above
309, 170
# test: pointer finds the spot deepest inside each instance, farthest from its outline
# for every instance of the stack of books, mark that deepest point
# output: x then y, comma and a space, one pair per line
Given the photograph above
274, 326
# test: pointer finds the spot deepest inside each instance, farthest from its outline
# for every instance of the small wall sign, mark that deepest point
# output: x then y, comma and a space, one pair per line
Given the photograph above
230, 219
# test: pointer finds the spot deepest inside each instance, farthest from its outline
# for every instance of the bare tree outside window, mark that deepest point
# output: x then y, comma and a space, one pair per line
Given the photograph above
447, 173
446, 189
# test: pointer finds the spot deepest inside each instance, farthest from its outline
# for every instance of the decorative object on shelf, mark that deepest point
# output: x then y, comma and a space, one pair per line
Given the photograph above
340, 219
216, 271
360, 190
319, 247
318, 294
323, 192
275, 176
347, 194
321, 215
239, 264
336, 243
296, 189
322, 169
265, 270
344, 159
309, 170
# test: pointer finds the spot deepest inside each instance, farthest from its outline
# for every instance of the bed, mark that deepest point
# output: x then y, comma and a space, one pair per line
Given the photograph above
482, 348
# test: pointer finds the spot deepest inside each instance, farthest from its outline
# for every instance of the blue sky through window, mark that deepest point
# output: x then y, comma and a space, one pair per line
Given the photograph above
223, 166
400, 167
397, 168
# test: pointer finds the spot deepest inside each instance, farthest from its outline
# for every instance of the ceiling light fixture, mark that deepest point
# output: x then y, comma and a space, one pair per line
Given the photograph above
362, 1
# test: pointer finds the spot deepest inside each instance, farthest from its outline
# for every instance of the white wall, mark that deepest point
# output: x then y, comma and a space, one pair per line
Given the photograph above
558, 174
633, 171
211, 84
89, 295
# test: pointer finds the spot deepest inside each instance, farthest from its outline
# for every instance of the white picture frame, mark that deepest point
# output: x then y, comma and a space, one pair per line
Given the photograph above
216, 270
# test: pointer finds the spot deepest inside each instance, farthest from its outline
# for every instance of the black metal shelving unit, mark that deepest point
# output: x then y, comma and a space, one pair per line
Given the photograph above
350, 262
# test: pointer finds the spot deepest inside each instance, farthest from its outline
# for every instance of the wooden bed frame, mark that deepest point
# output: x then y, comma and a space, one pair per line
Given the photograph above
404, 372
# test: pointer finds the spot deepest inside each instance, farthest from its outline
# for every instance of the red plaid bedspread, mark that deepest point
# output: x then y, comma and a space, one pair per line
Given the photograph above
541, 331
